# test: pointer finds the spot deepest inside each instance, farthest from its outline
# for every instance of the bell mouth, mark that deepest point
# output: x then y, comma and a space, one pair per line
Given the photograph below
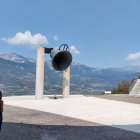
62, 60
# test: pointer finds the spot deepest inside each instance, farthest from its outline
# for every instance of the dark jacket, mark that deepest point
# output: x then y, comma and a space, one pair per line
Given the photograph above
1, 105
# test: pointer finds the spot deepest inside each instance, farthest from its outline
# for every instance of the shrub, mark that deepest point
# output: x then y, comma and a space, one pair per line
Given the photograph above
123, 87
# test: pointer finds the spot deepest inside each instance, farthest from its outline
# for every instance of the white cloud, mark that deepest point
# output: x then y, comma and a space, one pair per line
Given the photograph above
133, 56
55, 38
73, 50
27, 39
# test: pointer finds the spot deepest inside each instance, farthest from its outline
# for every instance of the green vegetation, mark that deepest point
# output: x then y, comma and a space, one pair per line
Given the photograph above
123, 88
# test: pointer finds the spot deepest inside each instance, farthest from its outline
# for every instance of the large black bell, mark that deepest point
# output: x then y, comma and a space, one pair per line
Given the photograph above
61, 59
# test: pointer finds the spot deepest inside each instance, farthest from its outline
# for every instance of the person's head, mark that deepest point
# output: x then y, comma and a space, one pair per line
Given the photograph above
0, 95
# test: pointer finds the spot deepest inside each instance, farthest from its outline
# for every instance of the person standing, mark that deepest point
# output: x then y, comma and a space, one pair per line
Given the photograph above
1, 109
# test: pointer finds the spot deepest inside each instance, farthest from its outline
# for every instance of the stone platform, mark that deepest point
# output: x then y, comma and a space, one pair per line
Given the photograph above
124, 115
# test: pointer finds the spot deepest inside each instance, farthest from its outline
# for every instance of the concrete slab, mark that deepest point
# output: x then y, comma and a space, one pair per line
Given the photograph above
108, 112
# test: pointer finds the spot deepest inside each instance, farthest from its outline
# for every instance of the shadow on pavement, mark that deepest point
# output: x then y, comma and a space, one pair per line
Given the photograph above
20, 131
130, 127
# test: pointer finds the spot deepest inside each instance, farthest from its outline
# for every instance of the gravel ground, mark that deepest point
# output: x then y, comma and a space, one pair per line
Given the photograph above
120, 97
27, 124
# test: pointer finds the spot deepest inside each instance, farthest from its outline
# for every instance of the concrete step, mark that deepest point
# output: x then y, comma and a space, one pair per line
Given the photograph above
135, 95
136, 87
135, 90
137, 83
138, 92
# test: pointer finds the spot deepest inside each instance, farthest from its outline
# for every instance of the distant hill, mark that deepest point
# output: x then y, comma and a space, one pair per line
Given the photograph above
17, 77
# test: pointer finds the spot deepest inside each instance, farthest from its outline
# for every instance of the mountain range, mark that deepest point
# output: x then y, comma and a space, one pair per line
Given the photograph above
17, 77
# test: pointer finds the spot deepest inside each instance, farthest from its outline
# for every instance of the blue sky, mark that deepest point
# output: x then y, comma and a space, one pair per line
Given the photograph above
105, 32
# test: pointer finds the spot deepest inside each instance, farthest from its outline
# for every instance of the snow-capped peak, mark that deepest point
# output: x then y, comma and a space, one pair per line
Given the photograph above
16, 58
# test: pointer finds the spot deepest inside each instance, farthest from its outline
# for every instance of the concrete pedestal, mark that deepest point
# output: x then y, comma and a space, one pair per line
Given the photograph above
39, 87
66, 83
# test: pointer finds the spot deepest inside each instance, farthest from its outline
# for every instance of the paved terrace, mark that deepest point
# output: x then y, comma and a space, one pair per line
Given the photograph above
75, 118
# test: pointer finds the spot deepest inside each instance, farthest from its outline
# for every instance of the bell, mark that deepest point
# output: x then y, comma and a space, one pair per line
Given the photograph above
61, 59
